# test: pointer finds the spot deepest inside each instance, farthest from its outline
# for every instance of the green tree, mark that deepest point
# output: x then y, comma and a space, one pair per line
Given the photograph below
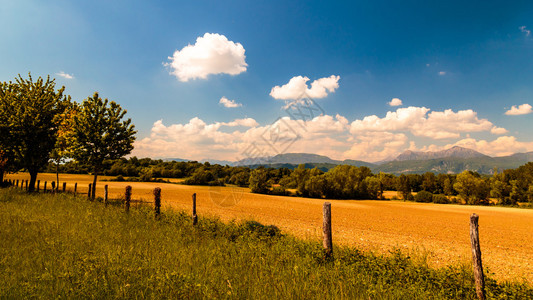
516, 193
499, 188
29, 121
315, 186
472, 188
429, 182
447, 187
99, 133
374, 187
63, 146
403, 187
300, 175
259, 181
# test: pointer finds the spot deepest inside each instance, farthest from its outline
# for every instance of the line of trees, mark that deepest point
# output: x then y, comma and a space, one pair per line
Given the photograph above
342, 182
40, 125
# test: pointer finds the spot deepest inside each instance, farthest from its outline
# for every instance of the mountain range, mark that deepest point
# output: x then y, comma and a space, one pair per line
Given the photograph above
452, 160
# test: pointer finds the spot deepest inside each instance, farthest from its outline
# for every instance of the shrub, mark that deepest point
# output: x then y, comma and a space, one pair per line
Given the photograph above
119, 178
261, 231
441, 199
280, 191
424, 196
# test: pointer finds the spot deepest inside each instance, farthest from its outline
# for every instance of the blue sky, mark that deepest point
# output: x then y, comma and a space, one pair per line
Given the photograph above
458, 68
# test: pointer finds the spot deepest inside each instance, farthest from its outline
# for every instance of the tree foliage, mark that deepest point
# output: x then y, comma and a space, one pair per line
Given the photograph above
472, 188
99, 132
259, 181
29, 122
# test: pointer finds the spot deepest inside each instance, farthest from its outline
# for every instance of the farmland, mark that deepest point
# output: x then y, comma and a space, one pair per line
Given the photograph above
438, 232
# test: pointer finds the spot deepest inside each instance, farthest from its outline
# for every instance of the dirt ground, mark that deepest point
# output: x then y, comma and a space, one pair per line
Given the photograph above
440, 232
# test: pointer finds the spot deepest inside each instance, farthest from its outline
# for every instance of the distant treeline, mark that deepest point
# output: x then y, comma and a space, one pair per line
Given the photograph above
342, 182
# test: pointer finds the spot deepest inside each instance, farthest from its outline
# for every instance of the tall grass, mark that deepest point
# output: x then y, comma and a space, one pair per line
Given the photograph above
54, 246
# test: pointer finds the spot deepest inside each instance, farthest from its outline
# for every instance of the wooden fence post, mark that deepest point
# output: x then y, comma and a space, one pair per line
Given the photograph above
194, 216
328, 242
64, 186
476, 257
89, 192
53, 186
17, 184
105, 195
38, 184
75, 187
44, 188
26, 185
157, 202
127, 198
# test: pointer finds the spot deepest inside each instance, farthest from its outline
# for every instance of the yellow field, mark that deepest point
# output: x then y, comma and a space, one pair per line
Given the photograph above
439, 231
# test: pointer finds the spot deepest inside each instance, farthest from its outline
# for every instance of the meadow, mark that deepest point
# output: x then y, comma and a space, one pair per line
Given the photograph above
434, 233
62, 246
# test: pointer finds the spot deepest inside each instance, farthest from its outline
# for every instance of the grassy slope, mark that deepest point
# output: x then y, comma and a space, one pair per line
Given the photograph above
54, 246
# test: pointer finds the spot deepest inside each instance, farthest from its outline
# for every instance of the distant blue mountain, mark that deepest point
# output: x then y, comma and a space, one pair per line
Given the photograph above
453, 160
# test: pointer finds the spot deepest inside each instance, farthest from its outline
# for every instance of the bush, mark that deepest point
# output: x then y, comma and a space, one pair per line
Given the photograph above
279, 191
441, 199
119, 178
261, 231
424, 196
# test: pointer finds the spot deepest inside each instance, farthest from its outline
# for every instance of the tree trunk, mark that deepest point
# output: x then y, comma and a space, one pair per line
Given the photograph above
57, 175
93, 192
33, 178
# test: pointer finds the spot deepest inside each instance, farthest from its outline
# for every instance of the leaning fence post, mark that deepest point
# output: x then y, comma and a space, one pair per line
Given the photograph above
476, 257
328, 242
17, 184
157, 202
64, 186
38, 184
194, 216
89, 192
44, 188
127, 198
75, 187
105, 195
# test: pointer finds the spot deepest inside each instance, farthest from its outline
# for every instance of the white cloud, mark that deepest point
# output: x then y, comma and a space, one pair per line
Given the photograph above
502, 146
525, 30
229, 103
376, 146
523, 109
65, 75
395, 102
370, 139
442, 73
297, 88
246, 122
211, 54
498, 130
197, 139
435, 125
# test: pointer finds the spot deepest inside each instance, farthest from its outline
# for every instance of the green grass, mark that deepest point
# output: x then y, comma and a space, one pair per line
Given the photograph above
58, 246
